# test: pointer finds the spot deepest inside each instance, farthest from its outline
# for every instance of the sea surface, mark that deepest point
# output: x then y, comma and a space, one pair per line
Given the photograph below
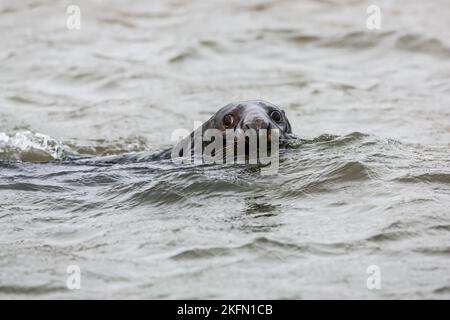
367, 186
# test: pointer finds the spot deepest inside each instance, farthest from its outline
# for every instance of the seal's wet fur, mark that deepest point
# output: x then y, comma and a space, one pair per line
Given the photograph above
251, 114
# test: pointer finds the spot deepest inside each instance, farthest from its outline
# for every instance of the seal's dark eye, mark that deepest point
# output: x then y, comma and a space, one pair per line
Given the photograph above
276, 116
228, 120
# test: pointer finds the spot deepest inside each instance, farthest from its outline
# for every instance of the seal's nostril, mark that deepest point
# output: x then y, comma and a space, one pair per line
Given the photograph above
256, 124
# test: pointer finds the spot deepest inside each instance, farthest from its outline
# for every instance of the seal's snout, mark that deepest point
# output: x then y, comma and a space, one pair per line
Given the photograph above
256, 124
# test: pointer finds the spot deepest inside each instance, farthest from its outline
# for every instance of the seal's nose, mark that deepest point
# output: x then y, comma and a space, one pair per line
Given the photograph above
256, 124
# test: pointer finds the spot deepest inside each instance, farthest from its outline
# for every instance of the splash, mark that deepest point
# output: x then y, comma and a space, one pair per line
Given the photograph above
29, 146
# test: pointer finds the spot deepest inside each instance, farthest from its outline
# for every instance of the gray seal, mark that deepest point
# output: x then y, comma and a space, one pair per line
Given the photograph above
244, 115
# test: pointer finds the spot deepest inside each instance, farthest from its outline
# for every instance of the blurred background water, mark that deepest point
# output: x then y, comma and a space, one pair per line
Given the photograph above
374, 191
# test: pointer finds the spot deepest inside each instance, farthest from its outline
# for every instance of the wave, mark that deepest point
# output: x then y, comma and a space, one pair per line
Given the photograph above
445, 251
386, 236
31, 290
356, 40
32, 187
422, 44
262, 245
437, 177
29, 146
361, 40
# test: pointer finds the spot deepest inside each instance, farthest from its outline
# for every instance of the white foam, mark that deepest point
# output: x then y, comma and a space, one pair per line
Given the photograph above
26, 142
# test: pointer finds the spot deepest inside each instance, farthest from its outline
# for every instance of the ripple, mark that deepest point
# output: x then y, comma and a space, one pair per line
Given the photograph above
102, 147
261, 245
350, 171
351, 138
303, 38
118, 21
161, 193
202, 253
445, 251
33, 187
187, 54
442, 290
443, 227
31, 290
357, 40
386, 236
426, 177
422, 44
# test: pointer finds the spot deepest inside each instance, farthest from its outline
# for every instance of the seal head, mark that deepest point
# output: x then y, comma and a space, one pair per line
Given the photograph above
244, 115
252, 114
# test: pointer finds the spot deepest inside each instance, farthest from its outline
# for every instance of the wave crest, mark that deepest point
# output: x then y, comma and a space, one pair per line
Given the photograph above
29, 146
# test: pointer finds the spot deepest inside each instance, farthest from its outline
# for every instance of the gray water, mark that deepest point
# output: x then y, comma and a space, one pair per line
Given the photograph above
368, 184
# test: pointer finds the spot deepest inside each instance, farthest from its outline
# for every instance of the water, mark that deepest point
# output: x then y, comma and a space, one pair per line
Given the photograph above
368, 184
